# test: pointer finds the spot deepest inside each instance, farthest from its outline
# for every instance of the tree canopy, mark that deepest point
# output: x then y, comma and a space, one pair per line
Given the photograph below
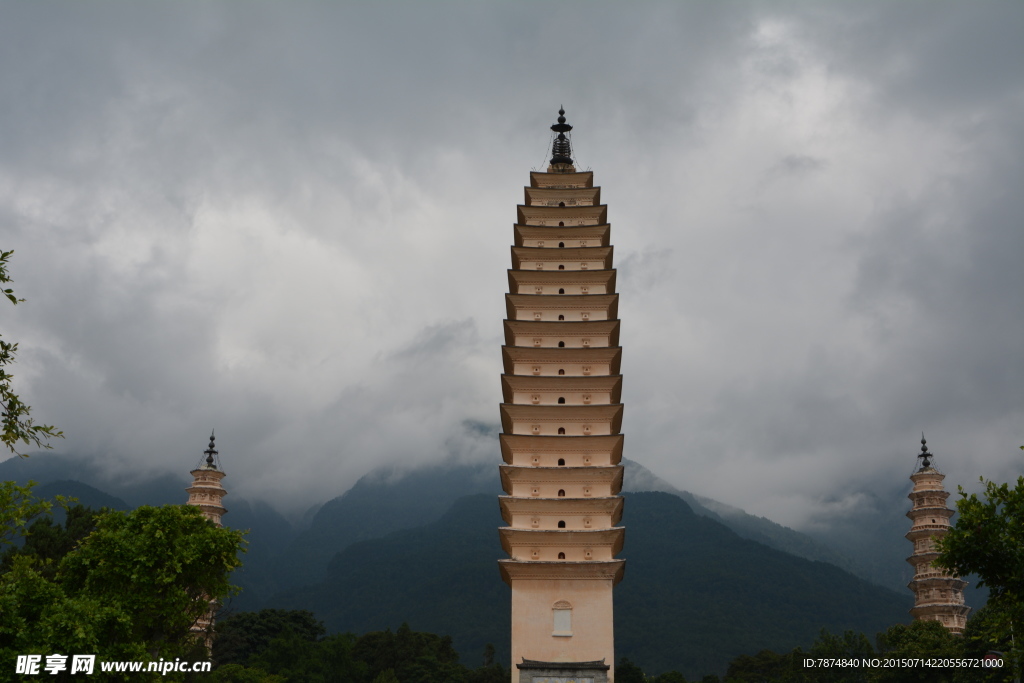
289, 646
988, 540
130, 590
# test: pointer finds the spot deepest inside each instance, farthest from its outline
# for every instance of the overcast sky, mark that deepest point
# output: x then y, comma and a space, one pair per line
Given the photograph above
291, 221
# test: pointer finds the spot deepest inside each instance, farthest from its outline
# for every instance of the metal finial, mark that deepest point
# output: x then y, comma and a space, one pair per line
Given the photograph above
211, 450
561, 150
924, 452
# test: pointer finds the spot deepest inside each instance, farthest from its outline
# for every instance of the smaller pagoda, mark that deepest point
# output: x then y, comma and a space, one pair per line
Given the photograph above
938, 595
207, 493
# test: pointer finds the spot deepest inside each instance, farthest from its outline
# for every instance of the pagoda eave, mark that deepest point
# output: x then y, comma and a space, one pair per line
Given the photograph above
596, 570
538, 196
562, 180
612, 537
520, 279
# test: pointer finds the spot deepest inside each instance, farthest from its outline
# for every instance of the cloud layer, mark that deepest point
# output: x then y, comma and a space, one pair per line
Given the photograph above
291, 222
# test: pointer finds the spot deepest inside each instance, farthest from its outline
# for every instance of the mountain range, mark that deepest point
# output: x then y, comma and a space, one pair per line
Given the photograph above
705, 581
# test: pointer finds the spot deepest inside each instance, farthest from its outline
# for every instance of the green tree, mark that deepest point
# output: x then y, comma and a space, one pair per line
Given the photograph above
988, 540
18, 425
131, 590
414, 656
927, 639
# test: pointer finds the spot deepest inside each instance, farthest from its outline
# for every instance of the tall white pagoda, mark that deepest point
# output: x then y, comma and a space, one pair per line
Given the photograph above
561, 418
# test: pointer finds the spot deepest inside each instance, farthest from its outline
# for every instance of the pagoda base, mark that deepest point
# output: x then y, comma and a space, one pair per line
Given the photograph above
531, 671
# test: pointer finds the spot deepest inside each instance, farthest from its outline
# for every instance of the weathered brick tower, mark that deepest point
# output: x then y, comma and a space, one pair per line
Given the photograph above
938, 595
207, 493
561, 420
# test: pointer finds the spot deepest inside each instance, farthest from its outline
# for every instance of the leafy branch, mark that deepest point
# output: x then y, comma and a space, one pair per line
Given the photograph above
18, 425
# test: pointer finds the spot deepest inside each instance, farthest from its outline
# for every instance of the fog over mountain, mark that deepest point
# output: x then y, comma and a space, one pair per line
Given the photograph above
291, 222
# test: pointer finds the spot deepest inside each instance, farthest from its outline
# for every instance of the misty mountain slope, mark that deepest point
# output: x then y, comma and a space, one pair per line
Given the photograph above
83, 493
761, 529
714, 595
268, 533
134, 488
386, 501
695, 593
379, 503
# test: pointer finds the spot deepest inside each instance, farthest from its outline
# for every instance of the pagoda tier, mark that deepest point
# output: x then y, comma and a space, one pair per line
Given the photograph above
560, 181
547, 451
559, 282
594, 420
555, 196
567, 258
562, 215
567, 307
938, 595
538, 513
561, 419
562, 334
562, 544
562, 389
566, 236
548, 361
561, 482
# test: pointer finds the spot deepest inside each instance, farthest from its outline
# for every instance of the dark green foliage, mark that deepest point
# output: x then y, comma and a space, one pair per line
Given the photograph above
628, 672
764, 666
241, 636
49, 542
404, 655
669, 677
236, 673
412, 656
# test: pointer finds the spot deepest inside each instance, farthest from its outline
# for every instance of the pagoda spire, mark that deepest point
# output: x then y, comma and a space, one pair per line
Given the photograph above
561, 148
938, 595
925, 455
211, 451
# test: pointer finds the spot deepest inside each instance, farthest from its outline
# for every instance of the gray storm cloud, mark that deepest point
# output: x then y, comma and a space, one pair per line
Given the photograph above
291, 222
